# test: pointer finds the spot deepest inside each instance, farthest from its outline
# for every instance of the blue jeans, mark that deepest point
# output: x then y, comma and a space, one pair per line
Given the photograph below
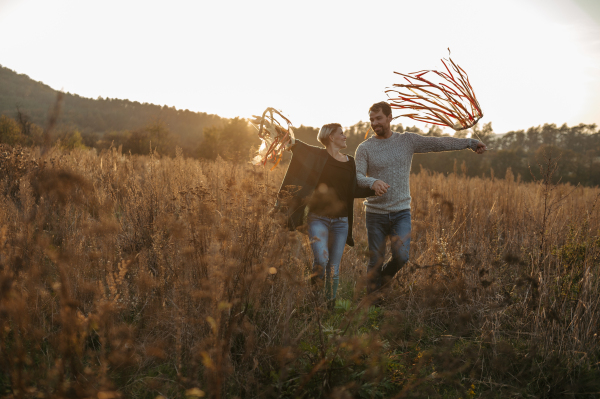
327, 240
395, 225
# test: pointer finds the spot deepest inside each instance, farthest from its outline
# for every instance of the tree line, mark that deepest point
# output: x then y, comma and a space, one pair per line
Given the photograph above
574, 149
100, 121
141, 128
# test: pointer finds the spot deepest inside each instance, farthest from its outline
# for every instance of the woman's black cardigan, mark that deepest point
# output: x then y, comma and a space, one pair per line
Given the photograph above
300, 181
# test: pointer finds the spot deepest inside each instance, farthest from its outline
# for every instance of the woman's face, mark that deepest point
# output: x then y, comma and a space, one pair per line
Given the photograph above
338, 138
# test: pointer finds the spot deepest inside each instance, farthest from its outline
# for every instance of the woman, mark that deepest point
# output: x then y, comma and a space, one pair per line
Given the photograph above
321, 184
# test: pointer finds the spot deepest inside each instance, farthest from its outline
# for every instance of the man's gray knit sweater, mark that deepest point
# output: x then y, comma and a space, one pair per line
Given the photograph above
390, 159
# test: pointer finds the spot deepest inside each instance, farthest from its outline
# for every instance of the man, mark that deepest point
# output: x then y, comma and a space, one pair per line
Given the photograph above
383, 163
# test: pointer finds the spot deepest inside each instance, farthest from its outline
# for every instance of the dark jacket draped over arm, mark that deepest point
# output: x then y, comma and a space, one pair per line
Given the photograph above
300, 181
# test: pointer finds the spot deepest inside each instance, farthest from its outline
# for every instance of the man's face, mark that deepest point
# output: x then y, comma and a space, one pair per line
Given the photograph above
379, 122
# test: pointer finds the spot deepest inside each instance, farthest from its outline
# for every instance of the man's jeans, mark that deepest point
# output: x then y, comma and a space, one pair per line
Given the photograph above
395, 225
327, 240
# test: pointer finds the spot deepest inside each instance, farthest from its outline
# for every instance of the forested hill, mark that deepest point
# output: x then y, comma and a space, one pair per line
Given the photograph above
93, 118
137, 128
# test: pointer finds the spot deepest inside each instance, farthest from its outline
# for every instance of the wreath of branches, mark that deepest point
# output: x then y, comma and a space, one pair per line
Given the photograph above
449, 101
274, 137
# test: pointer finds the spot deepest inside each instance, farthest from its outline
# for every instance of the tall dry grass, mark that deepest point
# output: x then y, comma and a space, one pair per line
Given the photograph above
139, 277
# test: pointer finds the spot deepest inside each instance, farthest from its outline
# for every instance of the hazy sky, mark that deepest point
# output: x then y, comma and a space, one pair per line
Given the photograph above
529, 61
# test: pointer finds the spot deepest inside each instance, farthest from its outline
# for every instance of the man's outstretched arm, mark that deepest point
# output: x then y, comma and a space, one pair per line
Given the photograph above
423, 144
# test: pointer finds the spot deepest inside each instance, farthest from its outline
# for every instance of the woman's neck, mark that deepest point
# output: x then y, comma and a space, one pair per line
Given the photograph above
335, 152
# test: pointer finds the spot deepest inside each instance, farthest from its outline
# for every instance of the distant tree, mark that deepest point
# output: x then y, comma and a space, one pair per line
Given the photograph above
232, 141
161, 138
435, 131
515, 158
308, 135
565, 160
414, 129
112, 139
97, 116
483, 132
137, 142
10, 132
210, 147
91, 139
72, 140
32, 133
358, 129
155, 136
511, 141
397, 128
461, 134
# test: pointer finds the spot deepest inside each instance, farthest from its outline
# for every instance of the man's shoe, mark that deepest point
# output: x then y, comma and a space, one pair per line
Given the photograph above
331, 304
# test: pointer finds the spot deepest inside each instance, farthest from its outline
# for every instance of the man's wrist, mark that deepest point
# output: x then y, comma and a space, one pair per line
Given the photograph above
473, 144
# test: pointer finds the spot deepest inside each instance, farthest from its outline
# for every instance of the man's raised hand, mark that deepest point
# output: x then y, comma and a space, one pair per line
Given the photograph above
380, 187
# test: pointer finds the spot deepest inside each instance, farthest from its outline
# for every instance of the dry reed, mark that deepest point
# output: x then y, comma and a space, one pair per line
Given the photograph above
131, 276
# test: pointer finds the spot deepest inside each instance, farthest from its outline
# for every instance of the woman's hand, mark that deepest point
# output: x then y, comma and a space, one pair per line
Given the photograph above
288, 143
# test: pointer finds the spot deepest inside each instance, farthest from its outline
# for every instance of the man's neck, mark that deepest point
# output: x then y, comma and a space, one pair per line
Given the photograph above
387, 135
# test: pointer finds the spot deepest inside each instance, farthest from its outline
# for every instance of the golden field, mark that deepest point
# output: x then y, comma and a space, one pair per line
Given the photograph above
146, 276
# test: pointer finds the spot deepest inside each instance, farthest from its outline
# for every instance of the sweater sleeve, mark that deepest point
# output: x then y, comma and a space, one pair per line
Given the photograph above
423, 144
361, 158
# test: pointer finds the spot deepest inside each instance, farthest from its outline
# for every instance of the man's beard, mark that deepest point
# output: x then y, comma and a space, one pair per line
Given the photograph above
380, 132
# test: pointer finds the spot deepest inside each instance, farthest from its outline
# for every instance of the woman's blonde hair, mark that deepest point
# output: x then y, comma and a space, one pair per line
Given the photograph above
326, 131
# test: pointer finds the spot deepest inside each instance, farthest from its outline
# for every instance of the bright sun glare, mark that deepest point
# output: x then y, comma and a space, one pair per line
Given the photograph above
530, 62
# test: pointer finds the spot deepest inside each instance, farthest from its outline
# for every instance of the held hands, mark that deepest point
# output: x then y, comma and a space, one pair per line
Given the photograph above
380, 187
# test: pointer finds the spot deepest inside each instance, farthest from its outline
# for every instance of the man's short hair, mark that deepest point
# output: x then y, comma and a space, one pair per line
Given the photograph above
326, 131
383, 106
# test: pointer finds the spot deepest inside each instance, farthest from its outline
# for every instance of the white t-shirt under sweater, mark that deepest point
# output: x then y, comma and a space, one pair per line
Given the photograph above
390, 159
